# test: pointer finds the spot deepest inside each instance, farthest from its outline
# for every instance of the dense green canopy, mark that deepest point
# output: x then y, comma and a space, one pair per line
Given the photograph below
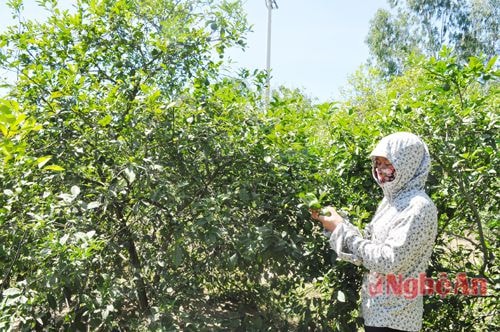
144, 188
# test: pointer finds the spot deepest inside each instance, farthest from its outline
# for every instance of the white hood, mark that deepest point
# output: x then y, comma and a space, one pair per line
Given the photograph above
410, 157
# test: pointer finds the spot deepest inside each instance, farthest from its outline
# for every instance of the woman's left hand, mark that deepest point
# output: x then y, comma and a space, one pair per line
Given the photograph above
329, 222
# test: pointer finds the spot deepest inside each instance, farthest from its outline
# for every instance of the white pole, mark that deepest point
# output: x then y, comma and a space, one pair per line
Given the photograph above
271, 4
268, 59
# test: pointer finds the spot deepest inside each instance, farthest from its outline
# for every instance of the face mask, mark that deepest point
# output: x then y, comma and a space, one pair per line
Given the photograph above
385, 173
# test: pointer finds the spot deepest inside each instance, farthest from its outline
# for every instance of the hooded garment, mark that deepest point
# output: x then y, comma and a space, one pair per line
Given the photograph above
398, 241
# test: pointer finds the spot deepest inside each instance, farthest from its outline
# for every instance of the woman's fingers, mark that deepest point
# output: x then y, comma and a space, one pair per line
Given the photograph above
314, 214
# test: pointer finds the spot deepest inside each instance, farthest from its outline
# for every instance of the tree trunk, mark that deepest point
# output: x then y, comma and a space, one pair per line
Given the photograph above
134, 262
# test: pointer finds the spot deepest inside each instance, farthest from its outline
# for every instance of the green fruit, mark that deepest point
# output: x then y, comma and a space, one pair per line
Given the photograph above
314, 204
325, 212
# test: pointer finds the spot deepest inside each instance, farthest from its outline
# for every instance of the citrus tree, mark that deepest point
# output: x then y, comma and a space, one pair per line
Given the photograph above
133, 138
144, 188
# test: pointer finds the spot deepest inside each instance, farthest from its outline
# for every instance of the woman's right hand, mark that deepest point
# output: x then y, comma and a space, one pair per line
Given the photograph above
329, 222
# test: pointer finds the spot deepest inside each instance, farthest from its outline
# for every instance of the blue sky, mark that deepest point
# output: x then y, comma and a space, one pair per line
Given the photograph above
316, 44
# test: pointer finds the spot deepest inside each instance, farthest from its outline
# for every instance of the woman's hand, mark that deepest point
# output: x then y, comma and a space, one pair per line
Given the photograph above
329, 222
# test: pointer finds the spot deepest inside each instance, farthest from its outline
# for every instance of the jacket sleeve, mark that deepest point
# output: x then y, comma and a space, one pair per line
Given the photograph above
413, 231
338, 241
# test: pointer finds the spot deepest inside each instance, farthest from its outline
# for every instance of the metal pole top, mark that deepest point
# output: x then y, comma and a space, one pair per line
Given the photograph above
271, 4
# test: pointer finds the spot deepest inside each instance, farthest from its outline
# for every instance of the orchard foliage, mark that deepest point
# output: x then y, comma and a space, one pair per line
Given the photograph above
144, 189
470, 27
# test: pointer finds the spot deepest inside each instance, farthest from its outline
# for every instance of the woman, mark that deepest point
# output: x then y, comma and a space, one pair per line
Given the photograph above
397, 243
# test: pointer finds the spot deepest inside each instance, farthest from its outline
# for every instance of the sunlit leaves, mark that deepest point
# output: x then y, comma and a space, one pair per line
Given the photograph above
105, 120
158, 183
15, 125
40, 162
134, 140
55, 168
467, 27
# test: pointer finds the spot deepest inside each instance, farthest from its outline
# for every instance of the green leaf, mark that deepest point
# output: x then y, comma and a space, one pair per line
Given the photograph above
52, 301
93, 205
64, 239
56, 94
310, 200
105, 121
233, 260
314, 204
42, 161
11, 291
492, 62
75, 191
340, 296
130, 174
178, 255
54, 168
4, 130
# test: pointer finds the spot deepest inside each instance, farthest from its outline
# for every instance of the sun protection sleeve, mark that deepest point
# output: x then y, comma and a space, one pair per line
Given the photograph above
338, 241
409, 237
